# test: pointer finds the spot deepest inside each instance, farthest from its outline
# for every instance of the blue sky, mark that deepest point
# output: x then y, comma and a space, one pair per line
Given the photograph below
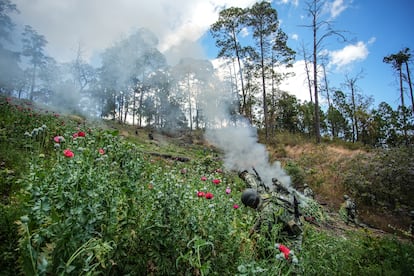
374, 28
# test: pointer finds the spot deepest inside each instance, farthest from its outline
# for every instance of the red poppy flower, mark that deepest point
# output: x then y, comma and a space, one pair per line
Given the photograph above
236, 206
81, 134
285, 250
203, 178
200, 194
68, 153
101, 151
209, 195
216, 181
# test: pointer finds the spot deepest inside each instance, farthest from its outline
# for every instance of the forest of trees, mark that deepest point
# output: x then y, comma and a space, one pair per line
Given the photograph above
135, 85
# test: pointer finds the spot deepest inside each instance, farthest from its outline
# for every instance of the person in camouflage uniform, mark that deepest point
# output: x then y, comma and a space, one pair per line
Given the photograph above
275, 208
308, 192
350, 208
253, 182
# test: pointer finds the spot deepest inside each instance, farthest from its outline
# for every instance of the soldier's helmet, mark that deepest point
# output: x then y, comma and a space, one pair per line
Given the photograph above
250, 198
346, 197
242, 174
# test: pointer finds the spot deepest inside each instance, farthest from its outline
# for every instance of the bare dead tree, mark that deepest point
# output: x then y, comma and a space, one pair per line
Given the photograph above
321, 30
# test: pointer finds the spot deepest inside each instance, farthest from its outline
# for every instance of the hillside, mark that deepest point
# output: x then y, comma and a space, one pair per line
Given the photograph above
96, 197
327, 185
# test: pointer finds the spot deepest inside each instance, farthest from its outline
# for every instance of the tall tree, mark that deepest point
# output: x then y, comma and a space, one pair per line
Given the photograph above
263, 20
226, 31
10, 71
125, 68
327, 93
191, 75
83, 72
307, 70
33, 47
397, 60
321, 30
6, 24
341, 104
350, 83
406, 52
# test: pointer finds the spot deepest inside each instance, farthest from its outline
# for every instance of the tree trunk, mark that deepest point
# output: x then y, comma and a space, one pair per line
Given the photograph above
328, 98
315, 85
410, 86
33, 82
353, 117
189, 103
264, 90
403, 104
305, 58
240, 69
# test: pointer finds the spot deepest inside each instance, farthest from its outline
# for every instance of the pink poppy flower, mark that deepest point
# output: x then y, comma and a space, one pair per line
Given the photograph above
200, 194
228, 190
101, 151
75, 135
58, 139
219, 170
209, 195
235, 206
68, 153
216, 181
203, 178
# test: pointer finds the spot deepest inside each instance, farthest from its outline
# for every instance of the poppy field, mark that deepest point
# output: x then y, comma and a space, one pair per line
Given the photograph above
80, 199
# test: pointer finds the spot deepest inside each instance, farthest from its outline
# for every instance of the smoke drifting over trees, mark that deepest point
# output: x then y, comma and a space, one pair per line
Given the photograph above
135, 83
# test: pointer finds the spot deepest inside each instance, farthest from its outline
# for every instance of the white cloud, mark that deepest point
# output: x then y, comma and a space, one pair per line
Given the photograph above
297, 84
294, 2
244, 32
372, 40
349, 54
97, 24
337, 7
295, 36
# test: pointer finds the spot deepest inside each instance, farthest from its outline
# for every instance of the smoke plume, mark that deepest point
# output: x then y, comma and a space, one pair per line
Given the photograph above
239, 141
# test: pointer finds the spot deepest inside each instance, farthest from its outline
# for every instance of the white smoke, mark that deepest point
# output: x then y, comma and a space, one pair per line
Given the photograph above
239, 140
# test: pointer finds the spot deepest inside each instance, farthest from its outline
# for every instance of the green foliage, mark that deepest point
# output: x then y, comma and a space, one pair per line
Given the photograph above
111, 209
8, 238
360, 253
296, 174
385, 178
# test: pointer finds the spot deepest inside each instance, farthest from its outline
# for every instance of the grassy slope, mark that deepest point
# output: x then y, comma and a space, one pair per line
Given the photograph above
322, 167
321, 164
